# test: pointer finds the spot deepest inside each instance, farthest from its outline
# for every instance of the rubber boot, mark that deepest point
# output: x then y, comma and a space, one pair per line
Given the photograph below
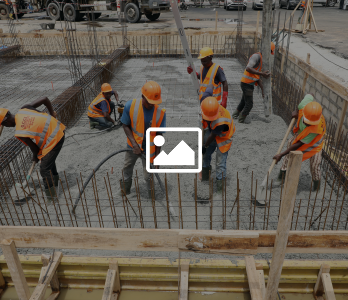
56, 180
205, 173
241, 118
127, 187
219, 184
51, 194
316, 185
235, 114
281, 176
93, 124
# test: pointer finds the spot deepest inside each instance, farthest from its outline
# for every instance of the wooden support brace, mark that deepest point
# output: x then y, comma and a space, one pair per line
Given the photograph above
253, 278
46, 276
306, 74
54, 282
259, 269
184, 281
112, 283
342, 117
324, 284
15, 268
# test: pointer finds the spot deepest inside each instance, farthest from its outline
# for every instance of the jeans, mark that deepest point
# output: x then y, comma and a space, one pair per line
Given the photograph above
129, 162
48, 164
103, 122
246, 103
221, 158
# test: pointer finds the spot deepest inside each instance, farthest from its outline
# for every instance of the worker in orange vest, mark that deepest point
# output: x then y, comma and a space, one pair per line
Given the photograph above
211, 74
44, 135
101, 107
218, 137
308, 137
251, 77
139, 115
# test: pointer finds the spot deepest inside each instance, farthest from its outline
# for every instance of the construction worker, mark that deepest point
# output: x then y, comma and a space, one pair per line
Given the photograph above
44, 135
101, 107
220, 126
211, 73
252, 77
138, 115
309, 138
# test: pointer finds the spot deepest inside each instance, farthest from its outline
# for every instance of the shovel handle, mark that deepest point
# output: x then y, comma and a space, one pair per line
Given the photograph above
1, 129
282, 144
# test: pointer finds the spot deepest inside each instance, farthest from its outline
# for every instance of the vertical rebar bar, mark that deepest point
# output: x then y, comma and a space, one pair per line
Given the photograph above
195, 184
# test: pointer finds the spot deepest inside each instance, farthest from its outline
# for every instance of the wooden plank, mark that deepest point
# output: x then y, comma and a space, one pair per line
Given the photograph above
54, 282
238, 242
329, 291
114, 266
2, 281
253, 278
342, 118
306, 74
46, 276
262, 283
284, 223
319, 288
15, 268
109, 285
184, 286
53, 296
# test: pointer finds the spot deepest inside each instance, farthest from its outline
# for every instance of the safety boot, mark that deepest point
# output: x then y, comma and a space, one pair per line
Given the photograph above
93, 124
51, 194
56, 179
316, 185
126, 185
205, 173
241, 118
281, 176
235, 114
219, 185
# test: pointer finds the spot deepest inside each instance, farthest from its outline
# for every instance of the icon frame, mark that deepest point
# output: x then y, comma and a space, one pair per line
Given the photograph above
174, 129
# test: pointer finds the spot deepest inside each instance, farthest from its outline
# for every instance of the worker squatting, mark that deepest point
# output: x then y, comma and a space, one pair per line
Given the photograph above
44, 134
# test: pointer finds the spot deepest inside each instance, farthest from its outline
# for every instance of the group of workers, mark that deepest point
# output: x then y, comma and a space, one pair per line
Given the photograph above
44, 134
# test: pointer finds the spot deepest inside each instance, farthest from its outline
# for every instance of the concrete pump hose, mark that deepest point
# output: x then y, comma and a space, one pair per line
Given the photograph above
97, 168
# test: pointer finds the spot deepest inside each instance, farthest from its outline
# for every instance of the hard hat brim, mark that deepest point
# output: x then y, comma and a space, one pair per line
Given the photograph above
159, 101
204, 56
107, 91
213, 118
311, 122
3, 115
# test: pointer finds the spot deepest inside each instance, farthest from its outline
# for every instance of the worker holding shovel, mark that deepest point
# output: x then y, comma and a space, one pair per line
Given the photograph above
44, 135
308, 137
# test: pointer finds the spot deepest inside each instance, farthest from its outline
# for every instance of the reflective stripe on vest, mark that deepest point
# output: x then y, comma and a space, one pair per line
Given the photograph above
93, 111
135, 118
204, 84
317, 144
249, 77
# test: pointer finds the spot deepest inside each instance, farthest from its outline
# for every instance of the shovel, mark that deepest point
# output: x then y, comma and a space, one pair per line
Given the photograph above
25, 183
261, 193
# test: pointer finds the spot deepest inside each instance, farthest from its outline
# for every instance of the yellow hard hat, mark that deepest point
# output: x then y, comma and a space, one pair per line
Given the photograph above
206, 51
3, 113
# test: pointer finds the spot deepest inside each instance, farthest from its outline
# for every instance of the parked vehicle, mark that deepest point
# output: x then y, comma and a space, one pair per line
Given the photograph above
75, 10
235, 4
289, 4
258, 4
330, 3
23, 7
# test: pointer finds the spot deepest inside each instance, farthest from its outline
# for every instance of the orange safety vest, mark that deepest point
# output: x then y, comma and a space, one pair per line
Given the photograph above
224, 140
210, 79
95, 112
136, 114
249, 77
44, 129
316, 145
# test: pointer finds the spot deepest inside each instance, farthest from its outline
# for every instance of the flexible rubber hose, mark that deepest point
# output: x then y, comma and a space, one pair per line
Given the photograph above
97, 168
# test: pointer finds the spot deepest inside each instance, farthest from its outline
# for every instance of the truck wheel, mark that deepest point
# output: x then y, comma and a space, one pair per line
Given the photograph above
54, 12
69, 12
152, 17
132, 13
3, 12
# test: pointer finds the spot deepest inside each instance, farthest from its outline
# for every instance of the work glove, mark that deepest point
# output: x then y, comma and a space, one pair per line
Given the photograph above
189, 70
204, 149
224, 99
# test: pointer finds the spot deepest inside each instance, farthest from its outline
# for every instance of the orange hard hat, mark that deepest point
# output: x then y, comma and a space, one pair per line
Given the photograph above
106, 88
272, 48
151, 90
206, 51
3, 113
210, 108
312, 113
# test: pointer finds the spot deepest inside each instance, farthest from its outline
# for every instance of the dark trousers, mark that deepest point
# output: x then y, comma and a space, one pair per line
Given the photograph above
246, 103
48, 164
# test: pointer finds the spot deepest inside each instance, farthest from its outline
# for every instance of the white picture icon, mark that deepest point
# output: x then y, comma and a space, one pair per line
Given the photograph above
181, 155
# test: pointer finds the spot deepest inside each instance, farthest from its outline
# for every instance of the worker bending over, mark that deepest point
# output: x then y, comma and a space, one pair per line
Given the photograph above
220, 126
101, 107
44, 135
251, 77
309, 138
211, 74
138, 115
